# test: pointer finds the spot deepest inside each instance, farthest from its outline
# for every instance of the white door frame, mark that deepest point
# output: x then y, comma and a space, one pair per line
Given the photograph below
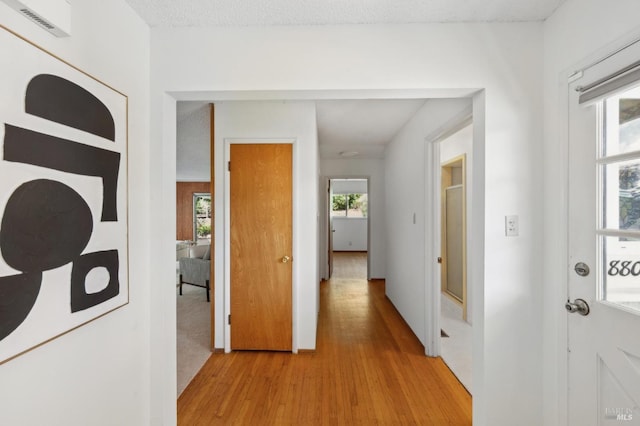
433, 223
324, 220
433, 246
432, 250
163, 303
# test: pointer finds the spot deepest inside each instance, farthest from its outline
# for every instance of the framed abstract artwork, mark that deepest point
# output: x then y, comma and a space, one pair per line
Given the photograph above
63, 197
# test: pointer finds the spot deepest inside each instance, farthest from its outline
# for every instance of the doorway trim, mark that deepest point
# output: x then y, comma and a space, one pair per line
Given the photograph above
162, 301
324, 220
433, 234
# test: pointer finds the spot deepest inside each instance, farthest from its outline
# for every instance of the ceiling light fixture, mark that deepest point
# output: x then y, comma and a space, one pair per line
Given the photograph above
348, 154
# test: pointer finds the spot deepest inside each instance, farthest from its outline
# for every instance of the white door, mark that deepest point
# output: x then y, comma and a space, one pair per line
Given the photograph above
604, 235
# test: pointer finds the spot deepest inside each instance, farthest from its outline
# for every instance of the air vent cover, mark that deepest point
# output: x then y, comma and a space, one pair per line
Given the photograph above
51, 15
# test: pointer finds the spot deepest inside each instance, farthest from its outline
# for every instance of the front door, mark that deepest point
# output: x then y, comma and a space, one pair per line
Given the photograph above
261, 228
603, 301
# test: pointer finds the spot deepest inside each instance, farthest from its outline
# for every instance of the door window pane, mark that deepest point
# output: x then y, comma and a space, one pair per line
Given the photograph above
619, 230
621, 271
622, 123
621, 195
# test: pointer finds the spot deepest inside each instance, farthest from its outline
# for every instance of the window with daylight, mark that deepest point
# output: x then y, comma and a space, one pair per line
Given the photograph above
202, 216
619, 174
349, 205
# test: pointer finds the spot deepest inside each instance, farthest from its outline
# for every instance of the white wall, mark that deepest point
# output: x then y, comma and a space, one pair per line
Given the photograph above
98, 374
373, 169
455, 145
351, 234
405, 165
504, 60
578, 33
193, 162
264, 122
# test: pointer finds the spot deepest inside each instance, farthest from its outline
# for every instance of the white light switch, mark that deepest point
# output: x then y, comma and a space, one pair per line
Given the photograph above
511, 226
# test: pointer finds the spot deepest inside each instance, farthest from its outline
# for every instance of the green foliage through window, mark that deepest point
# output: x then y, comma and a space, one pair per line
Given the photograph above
350, 205
202, 216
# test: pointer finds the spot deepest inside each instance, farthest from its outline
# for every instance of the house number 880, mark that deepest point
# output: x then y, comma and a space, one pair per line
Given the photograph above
624, 268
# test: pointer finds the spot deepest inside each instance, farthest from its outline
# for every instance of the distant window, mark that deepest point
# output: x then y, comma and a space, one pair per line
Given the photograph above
349, 205
202, 216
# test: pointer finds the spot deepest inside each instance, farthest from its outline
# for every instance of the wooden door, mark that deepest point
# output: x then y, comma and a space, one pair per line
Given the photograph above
261, 222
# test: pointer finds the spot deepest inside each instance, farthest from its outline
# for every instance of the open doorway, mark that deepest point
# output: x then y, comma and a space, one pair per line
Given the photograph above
456, 296
192, 296
377, 245
348, 228
194, 214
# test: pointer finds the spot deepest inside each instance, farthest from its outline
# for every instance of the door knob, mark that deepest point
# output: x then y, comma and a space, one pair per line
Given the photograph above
578, 305
285, 259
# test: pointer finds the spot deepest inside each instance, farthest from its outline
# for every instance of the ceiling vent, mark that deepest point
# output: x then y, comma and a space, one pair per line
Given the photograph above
51, 15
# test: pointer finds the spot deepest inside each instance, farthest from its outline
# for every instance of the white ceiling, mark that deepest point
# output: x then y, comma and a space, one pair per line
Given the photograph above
171, 13
364, 126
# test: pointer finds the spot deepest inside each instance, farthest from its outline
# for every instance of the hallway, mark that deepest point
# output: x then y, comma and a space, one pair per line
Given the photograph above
368, 368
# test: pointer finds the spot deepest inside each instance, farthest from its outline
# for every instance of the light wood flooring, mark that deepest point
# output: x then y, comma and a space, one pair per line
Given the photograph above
368, 369
349, 264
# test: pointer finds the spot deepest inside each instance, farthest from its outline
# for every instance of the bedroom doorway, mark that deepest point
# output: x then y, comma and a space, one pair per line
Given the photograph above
348, 227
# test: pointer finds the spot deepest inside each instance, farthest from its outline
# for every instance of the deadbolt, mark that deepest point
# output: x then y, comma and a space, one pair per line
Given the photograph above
582, 269
578, 305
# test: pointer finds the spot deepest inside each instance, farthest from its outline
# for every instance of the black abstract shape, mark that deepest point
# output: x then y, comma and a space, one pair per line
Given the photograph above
29, 147
80, 299
60, 100
18, 294
45, 225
